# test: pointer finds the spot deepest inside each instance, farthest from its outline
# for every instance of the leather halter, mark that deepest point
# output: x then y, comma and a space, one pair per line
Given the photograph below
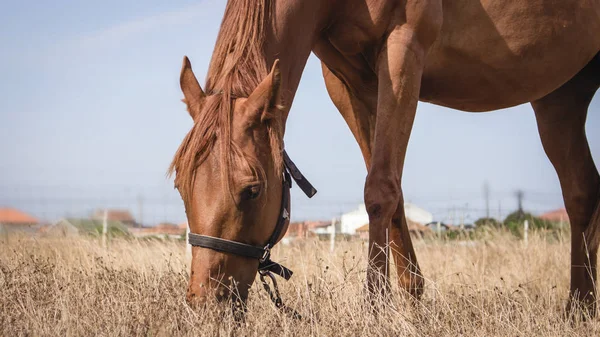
263, 253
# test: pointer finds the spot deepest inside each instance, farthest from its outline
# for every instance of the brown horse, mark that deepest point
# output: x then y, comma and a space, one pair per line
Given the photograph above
379, 58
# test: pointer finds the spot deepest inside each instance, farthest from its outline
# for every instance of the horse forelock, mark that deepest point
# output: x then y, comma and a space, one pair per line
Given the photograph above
237, 66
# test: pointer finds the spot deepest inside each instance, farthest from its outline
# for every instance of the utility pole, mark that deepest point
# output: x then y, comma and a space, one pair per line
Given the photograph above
519, 195
486, 195
500, 211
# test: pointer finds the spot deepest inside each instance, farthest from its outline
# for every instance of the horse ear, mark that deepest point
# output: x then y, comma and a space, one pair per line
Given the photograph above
263, 102
194, 96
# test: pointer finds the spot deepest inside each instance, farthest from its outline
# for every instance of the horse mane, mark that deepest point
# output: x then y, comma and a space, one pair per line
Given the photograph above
237, 66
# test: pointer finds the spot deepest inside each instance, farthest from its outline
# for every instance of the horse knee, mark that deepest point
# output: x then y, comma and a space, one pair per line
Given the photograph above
382, 195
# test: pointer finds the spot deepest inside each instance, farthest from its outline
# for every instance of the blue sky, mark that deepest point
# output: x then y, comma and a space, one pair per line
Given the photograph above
91, 116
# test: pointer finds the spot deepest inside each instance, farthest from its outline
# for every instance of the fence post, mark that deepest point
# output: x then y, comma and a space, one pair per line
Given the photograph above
104, 228
526, 230
332, 236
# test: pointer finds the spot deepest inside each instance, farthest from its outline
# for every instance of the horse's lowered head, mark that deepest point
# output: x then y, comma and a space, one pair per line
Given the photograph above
229, 171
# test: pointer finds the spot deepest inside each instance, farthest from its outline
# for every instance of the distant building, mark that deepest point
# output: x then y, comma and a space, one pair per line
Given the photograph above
417, 214
418, 230
353, 220
558, 215
12, 216
415, 229
163, 230
121, 215
297, 230
307, 229
363, 232
320, 227
438, 226
358, 218
14, 220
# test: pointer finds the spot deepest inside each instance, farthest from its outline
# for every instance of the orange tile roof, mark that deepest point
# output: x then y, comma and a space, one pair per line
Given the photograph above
115, 215
14, 216
556, 215
363, 228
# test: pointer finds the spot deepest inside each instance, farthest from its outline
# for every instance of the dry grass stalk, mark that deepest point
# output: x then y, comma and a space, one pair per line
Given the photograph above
488, 287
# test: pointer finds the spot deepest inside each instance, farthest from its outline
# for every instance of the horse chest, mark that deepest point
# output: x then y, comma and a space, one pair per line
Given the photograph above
350, 40
359, 25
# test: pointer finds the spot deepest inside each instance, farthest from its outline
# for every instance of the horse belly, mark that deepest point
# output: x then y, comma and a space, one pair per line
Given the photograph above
496, 54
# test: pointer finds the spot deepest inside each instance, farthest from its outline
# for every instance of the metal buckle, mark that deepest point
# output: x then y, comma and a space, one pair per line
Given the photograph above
266, 254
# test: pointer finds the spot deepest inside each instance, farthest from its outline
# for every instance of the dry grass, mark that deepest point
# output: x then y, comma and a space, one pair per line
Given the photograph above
487, 287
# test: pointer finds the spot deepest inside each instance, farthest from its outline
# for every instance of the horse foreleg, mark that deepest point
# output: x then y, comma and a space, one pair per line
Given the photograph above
399, 70
358, 108
561, 123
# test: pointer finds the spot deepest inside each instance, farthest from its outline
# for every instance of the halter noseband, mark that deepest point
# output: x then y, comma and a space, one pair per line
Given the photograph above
263, 253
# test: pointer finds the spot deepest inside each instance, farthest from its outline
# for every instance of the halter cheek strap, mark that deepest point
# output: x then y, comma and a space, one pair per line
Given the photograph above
263, 253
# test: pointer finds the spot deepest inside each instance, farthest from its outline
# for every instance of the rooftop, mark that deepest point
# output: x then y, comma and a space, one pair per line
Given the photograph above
16, 217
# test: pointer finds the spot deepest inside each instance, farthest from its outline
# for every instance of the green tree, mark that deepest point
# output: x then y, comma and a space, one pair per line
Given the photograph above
514, 222
487, 222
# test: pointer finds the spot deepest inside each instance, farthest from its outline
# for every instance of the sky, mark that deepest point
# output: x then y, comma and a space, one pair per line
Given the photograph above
91, 117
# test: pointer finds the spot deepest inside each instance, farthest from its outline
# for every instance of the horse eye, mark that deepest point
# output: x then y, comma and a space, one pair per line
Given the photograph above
251, 192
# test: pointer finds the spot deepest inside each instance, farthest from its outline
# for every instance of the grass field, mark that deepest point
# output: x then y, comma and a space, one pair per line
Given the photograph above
489, 287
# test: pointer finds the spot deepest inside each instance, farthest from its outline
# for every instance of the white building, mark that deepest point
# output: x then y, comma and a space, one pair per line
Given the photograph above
353, 220
417, 214
350, 221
